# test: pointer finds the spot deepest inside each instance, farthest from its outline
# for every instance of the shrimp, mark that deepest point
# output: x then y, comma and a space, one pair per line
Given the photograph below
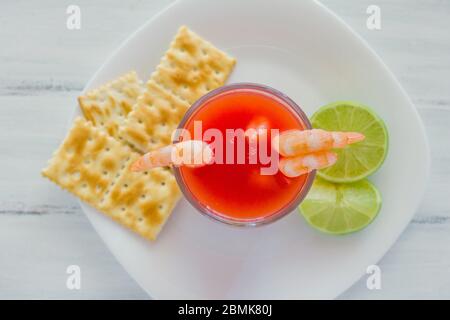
296, 166
296, 142
192, 153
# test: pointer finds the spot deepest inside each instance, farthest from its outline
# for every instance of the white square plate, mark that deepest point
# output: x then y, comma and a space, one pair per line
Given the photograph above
305, 51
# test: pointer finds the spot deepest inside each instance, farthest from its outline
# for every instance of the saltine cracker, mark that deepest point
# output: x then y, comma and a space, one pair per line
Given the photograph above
192, 66
95, 167
155, 116
107, 106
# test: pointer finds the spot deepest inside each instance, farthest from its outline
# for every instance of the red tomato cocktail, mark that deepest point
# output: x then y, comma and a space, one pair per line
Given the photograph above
237, 193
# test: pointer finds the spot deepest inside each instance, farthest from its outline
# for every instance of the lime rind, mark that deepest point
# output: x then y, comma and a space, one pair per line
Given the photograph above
352, 165
341, 209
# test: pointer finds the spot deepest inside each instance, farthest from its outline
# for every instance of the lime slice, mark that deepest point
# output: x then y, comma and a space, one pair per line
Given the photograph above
340, 208
361, 159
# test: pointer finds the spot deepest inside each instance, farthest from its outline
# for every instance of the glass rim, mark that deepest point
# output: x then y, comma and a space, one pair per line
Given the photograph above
213, 214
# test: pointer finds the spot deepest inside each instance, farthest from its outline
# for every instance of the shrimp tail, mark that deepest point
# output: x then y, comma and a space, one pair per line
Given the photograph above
193, 153
139, 165
353, 137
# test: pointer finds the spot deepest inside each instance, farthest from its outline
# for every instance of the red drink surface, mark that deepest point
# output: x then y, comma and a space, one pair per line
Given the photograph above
239, 191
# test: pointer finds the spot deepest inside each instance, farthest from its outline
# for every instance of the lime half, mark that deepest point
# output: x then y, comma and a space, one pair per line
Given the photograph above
340, 208
361, 159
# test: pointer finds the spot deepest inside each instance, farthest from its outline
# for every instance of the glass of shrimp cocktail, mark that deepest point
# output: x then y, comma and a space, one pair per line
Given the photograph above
246, 155
243, 185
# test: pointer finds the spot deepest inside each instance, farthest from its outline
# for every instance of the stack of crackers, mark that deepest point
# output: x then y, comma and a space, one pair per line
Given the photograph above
124, 119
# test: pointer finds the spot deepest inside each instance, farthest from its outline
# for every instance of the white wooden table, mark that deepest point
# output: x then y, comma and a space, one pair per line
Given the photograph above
44, 66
